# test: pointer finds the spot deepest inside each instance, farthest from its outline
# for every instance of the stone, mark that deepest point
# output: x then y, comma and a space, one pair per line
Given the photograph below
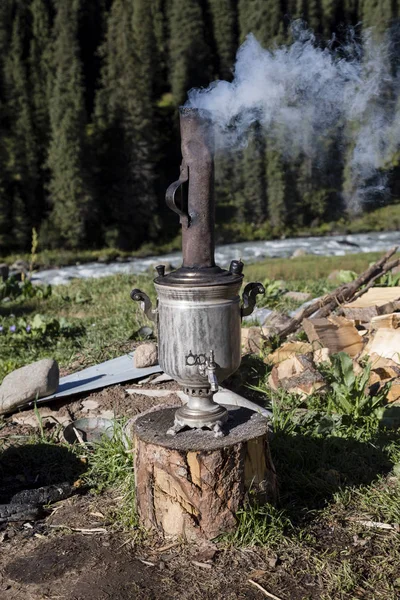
298, 296
259, 315
299, 252
33, 381
20, 266
146, 355
4, 271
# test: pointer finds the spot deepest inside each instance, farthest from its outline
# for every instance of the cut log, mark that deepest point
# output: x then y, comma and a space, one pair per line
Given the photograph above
288, 350
288, 368
192, 485
305, 384
338, 336
321, 355
390, 321
385, 343
252, 340
376, 301
394, 392
296, 375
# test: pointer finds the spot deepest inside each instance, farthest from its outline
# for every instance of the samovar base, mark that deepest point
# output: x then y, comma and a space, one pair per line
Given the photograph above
200, 412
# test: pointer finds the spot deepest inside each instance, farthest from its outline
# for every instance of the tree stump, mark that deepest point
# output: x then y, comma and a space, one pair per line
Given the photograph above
192, 485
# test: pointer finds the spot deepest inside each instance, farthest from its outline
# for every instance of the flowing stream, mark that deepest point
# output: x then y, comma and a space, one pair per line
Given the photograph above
249, 252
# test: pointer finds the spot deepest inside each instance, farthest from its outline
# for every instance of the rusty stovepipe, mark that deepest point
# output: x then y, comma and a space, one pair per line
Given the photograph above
195, 186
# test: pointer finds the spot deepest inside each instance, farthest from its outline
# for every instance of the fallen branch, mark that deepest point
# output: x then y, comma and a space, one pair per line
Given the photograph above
344, 293
263, 590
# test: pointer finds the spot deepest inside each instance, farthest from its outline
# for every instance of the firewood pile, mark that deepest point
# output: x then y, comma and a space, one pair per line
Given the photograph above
357, 318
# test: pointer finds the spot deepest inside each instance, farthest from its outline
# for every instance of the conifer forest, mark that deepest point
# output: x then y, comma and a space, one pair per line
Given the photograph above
89, 97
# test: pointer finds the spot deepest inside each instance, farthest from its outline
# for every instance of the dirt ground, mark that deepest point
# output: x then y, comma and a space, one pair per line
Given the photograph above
74, 552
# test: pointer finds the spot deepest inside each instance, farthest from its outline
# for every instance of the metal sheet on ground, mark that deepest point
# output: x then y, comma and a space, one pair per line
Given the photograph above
111, 372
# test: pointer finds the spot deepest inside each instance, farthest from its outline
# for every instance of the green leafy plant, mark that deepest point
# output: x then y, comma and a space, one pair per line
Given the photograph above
349, 393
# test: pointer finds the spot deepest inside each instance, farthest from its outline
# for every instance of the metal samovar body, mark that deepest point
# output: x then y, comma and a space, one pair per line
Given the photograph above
199, 310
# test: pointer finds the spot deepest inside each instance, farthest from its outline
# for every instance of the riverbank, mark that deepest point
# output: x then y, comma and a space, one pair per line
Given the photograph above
381, 220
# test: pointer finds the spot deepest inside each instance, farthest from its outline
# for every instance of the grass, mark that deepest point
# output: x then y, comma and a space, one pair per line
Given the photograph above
334, 471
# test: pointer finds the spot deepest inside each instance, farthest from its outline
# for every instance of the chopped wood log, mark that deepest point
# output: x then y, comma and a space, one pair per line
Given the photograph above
322, 307
252, 340
304, 384
390, 321
287, 369
321, 355
385, 343
380, 361
289, 350
338, 336
376, 301
296, 375
394, 392
192, 485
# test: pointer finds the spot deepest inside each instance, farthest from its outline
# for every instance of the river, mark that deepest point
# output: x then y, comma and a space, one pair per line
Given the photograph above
249, 252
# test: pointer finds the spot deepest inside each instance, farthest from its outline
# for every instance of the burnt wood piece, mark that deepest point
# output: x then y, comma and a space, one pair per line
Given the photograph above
321, 307
27, 504
193, 484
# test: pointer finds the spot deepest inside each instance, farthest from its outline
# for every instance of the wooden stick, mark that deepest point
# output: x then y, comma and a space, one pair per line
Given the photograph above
263, 590
325, 305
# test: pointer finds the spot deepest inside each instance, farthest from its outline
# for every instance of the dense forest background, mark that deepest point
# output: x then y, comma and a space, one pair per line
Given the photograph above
89, 138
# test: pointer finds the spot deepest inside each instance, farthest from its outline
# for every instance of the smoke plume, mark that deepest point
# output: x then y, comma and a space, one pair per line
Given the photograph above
303, 95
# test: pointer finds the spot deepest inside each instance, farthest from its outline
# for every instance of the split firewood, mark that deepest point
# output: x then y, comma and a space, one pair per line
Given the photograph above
289, 350
394, 392
390, 321
296, 375
322, 307
376, 301
385, 343
288, 368
338, 335
252, 340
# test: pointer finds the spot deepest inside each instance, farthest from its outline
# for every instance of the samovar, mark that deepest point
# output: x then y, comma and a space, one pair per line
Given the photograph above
199, 310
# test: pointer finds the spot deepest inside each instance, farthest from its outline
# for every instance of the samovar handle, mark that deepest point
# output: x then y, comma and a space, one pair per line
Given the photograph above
171, 193
147, 307
249, 297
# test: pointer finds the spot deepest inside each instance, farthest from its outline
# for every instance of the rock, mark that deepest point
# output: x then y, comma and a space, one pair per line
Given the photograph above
20, 266
259, 315
4, 271
298, 296
252, 340
299, 252
36, 380
146, 355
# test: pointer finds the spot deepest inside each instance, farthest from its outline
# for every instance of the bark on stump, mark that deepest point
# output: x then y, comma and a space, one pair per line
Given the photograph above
193, 484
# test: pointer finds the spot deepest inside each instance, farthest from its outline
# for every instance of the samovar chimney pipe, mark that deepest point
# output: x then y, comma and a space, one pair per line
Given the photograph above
192, 196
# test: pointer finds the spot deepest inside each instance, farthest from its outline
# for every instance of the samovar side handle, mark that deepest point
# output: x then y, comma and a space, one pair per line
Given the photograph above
147, 307
249, 297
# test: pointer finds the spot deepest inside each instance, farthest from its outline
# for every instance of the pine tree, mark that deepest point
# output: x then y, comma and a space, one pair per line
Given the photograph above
255, 187
223, 13
189, 54
263, 18
378, 13
124, 123
72, 220
278, 193
22, 147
